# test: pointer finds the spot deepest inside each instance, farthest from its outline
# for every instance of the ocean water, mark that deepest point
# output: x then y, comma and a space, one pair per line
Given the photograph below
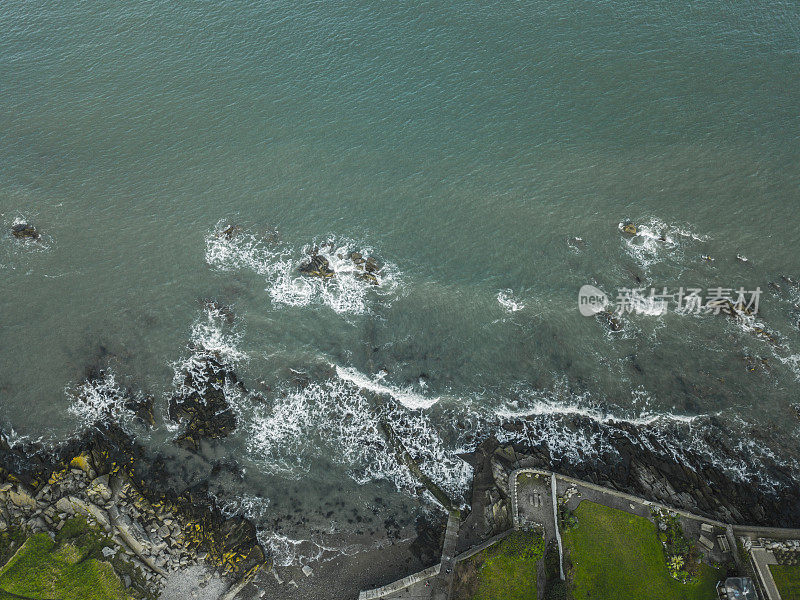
485, 153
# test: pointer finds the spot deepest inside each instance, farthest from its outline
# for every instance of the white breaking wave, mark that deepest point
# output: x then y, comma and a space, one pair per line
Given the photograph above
334, 419
98, 400
656, 242
405, 396
549, 421
251, 507
210, 340
346, 292
547, 408
506, 301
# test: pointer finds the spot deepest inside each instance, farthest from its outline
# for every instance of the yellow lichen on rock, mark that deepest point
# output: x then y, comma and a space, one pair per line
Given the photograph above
58, 476
82, 462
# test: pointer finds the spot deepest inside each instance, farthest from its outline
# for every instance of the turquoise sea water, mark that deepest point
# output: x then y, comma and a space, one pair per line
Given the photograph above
466, 145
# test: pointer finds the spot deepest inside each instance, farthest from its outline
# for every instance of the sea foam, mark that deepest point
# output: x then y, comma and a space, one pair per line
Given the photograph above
346, 292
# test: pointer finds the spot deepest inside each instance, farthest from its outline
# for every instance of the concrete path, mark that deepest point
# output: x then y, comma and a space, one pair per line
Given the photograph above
441, 586
762, 558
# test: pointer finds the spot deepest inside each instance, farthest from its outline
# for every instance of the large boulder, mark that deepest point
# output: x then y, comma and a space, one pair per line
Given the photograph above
22, 498
317, 266
25, 231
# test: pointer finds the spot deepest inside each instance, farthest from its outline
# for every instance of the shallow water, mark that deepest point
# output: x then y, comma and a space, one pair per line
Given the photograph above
466, 146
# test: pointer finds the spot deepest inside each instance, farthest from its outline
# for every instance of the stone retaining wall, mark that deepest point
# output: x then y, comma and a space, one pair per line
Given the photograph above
400, 584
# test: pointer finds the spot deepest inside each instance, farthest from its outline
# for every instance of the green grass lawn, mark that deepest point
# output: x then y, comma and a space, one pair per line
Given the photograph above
617, 555
788, 581
43, 568
505, 571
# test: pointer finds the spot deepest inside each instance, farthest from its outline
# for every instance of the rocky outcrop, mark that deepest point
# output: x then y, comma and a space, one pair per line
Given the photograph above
610, 320
636, 462
229, 231
202, 404
25, 231
317, 266
107, 479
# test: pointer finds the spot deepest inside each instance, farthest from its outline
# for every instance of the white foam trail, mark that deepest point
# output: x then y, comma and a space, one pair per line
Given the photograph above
249, 506
210, 340
547, 408
286, 551
405, 396
506, 301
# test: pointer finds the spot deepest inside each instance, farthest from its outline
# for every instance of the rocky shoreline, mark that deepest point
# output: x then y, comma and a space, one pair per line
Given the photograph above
109, 480
112, 482
635, 466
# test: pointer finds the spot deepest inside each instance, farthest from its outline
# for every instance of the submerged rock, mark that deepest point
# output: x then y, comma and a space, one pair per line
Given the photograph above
369, 278
610, 320
142, 408
223, 310
25, 231
204, 406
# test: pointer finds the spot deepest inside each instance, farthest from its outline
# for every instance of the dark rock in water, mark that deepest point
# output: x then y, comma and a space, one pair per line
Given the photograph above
204, 408
25, 231
369, 278
140, 405
372, 265
229, 232
317, 266
142, 408
610, 320
629, 228
427, 546
220, 309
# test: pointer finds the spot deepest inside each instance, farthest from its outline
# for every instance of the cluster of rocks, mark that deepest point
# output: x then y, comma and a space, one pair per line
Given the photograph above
107, 479
318, 266
25, 231
785, 545
148, 539
203, 405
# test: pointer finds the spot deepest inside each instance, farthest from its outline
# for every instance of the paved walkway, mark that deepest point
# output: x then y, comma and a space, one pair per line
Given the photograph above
761, 560
441, 585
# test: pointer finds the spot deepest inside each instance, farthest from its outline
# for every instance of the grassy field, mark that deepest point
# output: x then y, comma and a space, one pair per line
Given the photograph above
617, 555
788, 581
69, 568
505, 571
